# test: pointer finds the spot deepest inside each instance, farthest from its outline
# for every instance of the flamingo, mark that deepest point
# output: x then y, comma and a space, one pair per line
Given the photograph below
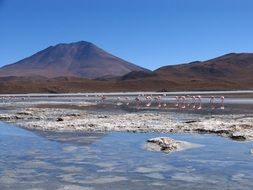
127, 101
222, 102
212, 102
194, 102
164, 104
102, 98
96, 97
188, 97
118, 101
158, 100
177, 101
199, 101
183, 102
149, 99
137, 100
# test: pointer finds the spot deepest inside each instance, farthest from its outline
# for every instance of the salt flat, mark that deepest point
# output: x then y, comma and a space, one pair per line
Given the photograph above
89, 112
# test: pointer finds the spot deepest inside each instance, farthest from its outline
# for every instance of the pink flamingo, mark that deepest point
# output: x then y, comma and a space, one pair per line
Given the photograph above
96, 96
222, 102
199, 101
183, 102
188, 98
118, 101
149, 99
158, 99
177, 101
127, 101
138, 101
102, 98
212, 102
193, 102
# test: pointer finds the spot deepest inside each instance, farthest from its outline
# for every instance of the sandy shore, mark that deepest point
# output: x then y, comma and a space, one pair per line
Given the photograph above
235, 126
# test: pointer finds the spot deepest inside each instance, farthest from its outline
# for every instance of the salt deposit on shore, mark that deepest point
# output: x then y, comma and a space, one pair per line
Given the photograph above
237, 127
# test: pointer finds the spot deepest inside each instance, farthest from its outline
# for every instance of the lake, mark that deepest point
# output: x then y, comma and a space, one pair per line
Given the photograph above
48, 160
118, 160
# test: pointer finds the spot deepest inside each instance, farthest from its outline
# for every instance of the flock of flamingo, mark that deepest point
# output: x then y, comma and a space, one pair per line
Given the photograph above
195, 101
182, 102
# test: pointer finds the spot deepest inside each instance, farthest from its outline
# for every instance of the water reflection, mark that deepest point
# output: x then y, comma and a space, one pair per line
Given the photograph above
78, 138
45, 160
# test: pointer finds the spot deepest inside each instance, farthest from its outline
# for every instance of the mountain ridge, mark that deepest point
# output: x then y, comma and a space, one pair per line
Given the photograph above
78, 59
229, 66
82, 71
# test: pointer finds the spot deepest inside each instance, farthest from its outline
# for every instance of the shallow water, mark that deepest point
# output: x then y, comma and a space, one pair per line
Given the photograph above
42, 160
236, 102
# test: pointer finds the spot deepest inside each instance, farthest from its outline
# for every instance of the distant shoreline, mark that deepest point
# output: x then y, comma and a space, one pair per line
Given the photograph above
133, 93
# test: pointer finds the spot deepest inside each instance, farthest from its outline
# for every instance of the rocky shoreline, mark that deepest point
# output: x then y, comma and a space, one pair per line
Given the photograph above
237, 127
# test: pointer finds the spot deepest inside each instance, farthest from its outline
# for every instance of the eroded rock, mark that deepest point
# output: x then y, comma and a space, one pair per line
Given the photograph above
237, 137
59, 119
168, 145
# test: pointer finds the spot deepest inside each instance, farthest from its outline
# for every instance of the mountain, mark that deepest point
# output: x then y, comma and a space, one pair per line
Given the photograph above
80, 59
228, 72
233, 67
138, 75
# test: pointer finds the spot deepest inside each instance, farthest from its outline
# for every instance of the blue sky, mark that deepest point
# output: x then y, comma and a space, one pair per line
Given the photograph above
150, 33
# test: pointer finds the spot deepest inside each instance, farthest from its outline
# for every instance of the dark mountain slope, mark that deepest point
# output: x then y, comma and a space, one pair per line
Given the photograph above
231, 67
80, 59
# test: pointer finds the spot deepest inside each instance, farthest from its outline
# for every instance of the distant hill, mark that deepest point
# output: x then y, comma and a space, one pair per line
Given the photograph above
138, 75
81, 59
231, 67
229, 72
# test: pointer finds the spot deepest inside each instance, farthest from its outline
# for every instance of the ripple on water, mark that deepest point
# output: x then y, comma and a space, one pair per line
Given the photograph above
119, 161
